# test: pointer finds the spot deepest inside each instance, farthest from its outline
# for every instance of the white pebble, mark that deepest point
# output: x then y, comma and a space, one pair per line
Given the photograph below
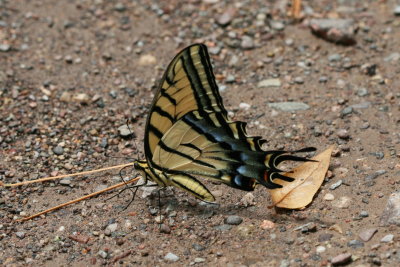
244, 106
321, 249
329, 197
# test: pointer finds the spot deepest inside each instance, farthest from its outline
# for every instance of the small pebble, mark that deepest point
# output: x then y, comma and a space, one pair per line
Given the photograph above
366, 235
20, 235
320, 249
336, 185
244, 106
199, 260
233, 220
299, 80
269, 83
342, 203
171, 257
341, 259
102, 254
58, 150
355, 243
329, 197
343, 134
387, 238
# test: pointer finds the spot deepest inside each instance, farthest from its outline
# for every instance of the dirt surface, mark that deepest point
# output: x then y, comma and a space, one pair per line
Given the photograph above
73, 72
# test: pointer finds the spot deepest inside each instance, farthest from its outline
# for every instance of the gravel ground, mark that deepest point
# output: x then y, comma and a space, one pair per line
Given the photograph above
73, 72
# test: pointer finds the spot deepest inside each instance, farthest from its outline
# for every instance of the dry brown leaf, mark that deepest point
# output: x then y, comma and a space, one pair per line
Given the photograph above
309, 177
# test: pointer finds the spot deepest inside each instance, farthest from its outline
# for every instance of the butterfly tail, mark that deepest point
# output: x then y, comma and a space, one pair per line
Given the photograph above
273, 159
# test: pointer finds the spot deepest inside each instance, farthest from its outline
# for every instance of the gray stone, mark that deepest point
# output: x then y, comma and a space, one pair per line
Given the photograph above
355, 243
171, 257
375, 175
336, 185
334, 57
393, 57
362, 92
387, 238
247, 42
20, 235
65, 181
391, 214
112, 227
277, 25
223, 227
289, 106
233, 220
362, 105
58, 150
347, 111
102, 254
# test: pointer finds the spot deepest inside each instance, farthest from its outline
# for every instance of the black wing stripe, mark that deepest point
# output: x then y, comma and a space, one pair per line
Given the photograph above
205, 60
173, 151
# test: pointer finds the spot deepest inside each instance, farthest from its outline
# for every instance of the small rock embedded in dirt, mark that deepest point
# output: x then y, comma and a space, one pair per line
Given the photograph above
65, 181
391, 214
342, 203
244, 106
233, 220
223, 227
289, 106
247, 42
5, 47
269, 83
325, 237
124, 131
20, 235
375, 175
336, 185
165, 229
366, 235
147, 60
81, 98
58, 150
226, 17
329, 197
339, 31
248, 200
112, 227
387, 238
277, 25
198, 247
355, 243
266, 224
343, 134
396, 11
341, 259
171, 257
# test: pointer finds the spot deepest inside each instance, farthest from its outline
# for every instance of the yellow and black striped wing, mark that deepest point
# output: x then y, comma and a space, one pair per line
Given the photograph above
187, 85
188, 134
